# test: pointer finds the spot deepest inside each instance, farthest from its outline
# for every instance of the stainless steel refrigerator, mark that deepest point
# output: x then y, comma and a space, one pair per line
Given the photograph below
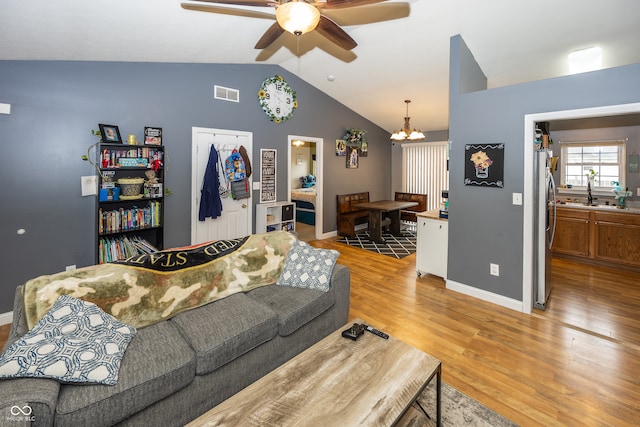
544, 193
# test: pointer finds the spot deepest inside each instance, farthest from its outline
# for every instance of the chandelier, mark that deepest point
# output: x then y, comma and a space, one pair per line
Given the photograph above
406, 133
297, 17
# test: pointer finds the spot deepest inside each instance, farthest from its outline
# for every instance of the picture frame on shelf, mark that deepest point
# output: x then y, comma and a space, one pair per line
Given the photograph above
110, 134
152, 135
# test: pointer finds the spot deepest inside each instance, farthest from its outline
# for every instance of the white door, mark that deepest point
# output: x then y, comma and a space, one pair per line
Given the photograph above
236, 218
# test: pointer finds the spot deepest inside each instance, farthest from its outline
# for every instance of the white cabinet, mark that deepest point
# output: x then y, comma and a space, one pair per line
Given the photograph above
275, 216
432, 246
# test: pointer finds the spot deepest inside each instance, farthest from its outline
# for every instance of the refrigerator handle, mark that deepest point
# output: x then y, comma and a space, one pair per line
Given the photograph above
555, 205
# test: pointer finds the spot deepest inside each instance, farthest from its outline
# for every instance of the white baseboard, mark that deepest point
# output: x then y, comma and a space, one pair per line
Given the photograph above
485, 295
329, 234
6, 318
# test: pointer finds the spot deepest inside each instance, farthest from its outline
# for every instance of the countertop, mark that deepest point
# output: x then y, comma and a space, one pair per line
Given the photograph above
432, 214
602, 207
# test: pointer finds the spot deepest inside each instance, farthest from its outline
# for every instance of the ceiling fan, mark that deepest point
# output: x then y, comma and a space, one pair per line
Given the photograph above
301, 16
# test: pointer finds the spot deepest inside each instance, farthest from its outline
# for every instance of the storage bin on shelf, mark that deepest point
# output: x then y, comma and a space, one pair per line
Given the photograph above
130, 188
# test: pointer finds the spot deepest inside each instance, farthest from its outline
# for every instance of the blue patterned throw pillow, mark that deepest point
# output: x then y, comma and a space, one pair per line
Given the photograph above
308, 267
75, 342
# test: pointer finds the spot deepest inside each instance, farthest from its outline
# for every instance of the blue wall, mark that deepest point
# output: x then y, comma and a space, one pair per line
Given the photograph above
54, 105
484, 226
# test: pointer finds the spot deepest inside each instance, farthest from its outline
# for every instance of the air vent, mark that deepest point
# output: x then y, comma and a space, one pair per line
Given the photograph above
226, 94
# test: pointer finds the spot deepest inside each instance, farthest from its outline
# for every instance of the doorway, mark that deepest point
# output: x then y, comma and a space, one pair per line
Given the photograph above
528, 212
305, 184
236, 219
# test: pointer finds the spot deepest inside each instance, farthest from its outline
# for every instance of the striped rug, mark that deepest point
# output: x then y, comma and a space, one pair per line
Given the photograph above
397, 247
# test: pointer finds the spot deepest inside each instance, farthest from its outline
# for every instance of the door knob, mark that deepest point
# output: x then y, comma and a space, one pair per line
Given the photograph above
244, 206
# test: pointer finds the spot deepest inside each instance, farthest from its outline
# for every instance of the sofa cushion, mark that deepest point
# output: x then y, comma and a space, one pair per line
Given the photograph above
157, 363
225, 329
74, 342
294, 306
308, 267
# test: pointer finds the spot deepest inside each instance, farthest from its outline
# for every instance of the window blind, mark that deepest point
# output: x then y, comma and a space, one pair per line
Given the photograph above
424, 170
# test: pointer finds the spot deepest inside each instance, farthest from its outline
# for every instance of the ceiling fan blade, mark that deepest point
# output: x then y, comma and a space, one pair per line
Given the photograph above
260, 3
342, 4
231, 9
269, 36
333, 32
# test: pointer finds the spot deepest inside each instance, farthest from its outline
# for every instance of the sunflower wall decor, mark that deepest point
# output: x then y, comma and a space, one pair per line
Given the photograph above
484, 165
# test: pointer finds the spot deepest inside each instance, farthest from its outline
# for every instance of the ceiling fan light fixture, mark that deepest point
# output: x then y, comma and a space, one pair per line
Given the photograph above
406, 133
297, 17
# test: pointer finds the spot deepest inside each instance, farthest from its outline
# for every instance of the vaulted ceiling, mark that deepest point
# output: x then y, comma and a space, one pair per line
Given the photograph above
402, 52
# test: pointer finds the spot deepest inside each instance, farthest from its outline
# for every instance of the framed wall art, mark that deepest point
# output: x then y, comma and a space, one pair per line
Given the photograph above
110, 134
267, 175
353, 156
484, 165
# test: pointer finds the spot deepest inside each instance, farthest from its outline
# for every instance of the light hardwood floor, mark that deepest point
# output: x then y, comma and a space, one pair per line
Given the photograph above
575, 364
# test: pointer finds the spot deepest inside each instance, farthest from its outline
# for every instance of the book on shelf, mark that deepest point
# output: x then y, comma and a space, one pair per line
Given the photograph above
141, 156
123, 247
134, 218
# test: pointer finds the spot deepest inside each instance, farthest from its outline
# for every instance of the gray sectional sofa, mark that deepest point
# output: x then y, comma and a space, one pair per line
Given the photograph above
175, 370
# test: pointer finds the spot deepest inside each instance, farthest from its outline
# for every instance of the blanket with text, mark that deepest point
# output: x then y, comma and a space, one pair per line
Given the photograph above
146, 289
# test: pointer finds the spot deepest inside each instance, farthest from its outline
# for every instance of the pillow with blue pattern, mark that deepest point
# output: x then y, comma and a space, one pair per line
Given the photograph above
308, 267
75, 342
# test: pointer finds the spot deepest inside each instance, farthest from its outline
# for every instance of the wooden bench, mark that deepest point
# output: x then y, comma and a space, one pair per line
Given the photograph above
349, 215
409, 214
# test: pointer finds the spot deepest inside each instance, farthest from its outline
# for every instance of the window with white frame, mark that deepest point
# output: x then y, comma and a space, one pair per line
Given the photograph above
605, 158
424, 170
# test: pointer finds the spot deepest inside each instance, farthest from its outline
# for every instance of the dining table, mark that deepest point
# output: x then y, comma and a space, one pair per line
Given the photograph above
376, 211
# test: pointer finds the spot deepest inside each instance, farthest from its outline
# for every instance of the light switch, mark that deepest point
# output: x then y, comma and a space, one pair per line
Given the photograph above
5, 108
89, 185
256, 185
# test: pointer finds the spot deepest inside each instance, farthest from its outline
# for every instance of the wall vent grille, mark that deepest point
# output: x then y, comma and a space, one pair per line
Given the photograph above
226, 94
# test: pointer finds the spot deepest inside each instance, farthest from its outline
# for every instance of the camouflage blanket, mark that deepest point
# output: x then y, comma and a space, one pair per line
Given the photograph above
144, 290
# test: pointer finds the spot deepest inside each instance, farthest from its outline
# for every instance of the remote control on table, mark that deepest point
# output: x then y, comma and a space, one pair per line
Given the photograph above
377, 332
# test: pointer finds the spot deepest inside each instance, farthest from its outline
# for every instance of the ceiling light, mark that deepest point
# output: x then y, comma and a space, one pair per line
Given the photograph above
583, 60
406, 133
297, 143
297, 17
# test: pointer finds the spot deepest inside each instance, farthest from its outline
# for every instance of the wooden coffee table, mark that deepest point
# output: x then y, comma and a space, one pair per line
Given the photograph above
337, 381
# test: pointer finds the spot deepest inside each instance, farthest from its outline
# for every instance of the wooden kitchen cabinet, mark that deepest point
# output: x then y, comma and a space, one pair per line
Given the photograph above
601, 236
617, 237
572, 232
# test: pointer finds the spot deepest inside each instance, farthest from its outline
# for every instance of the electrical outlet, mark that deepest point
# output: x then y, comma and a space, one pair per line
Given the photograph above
70, 267
494, 269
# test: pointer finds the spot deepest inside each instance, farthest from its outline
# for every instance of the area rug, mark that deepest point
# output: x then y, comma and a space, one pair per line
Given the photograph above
397, 247
458, 410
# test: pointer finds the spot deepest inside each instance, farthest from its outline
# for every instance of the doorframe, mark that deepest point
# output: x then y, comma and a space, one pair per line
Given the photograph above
528, 205
319, 187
